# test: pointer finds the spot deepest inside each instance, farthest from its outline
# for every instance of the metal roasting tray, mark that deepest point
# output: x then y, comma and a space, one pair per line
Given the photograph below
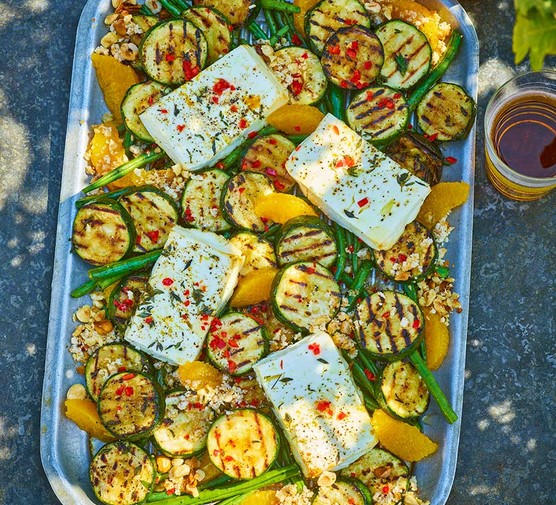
65, 450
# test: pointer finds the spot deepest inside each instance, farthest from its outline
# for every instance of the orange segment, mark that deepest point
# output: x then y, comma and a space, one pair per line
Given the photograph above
443, 197
401, 439
261, 497
299, 17
114, 79
84, 414
253, 288
198, 375
296, 119
437, 339
281, 207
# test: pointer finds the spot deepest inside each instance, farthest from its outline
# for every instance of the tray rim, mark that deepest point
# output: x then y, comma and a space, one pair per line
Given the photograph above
59, 315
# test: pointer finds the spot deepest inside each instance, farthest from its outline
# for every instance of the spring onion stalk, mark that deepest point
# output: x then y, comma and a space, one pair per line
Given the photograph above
213, 495
346, 279
282, 32
257, 31
370, 404
433, 387
437, 72
125, 267
84, 289
123, 170
341, 246
280, 5
359, 283
170, 7
366, 363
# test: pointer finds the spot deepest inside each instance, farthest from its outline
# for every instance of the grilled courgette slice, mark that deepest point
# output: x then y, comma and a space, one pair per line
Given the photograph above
130, 405
236, 343
122, 473
412, 257
340, 493
243, 443
125, 296
268, 155
390, 325
305, 295
378, 114
200, 202
407, 54
404, 392
258, 252
327, 16
446, 112
416, 154
376, 469
301, 72
215, 28
154, 214
239, 198
103, 232
173, 52
139, 98
352, 57
184, 429
306, 238
108, 360
237, 11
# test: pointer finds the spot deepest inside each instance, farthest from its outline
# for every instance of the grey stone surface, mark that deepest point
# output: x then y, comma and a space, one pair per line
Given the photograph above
508, 441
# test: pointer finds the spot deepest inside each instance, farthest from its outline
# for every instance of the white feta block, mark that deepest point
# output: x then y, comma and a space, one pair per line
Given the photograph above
355, 184
206, 118
190, 282
315, 398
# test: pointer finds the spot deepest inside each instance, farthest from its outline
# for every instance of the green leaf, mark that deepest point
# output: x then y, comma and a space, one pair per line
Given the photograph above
401, 63
534, 31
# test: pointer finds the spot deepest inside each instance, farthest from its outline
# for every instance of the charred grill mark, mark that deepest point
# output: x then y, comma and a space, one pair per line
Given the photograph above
263, 446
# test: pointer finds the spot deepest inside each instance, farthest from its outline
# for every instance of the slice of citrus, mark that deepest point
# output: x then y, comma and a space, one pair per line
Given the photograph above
299, 17
281, 207
253, 288
401, 439
443, 197
437, 339
199, 375
114, 79
296, 119
260, 497
84, 413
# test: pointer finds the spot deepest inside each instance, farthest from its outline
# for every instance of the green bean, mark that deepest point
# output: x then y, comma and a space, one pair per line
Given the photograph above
170, 7
436, 73
280, 5
359, 283
270, 21
341, 246
84, 289
433, 387
145, 10
213, 495
123, 170
92, 198
279, 34
125, 267
257, 31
